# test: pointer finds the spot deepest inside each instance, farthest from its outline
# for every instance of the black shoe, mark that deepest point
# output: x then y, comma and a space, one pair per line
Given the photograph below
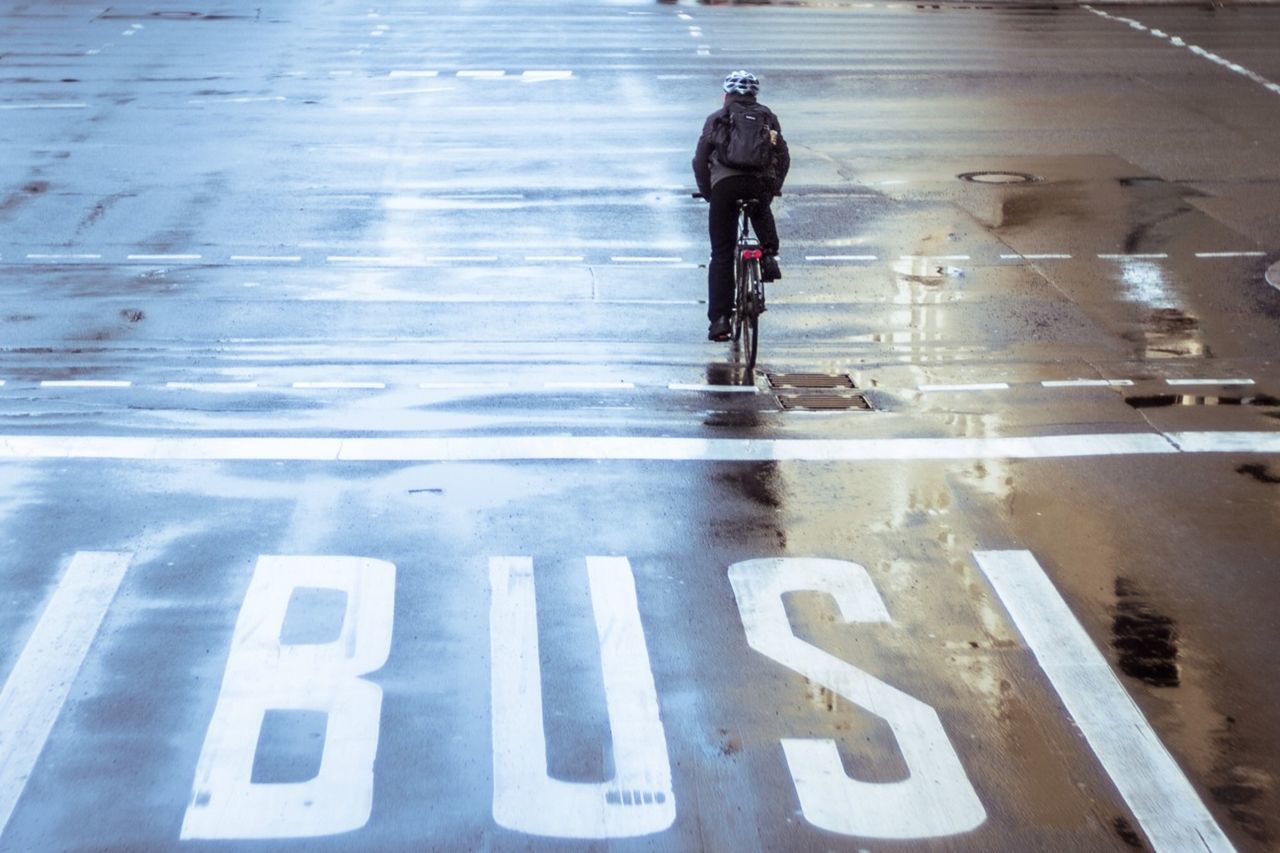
719, 329
769, 270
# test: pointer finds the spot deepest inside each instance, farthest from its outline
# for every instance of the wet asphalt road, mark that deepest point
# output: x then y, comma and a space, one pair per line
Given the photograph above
367, 483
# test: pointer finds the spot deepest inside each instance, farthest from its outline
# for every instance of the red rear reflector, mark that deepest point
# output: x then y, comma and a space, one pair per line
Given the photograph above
752, 255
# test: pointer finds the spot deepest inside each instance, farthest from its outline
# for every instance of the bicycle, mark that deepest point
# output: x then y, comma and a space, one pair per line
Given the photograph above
748, 288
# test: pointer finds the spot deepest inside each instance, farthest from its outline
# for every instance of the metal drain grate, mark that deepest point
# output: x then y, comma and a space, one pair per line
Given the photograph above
825, 402
810, 380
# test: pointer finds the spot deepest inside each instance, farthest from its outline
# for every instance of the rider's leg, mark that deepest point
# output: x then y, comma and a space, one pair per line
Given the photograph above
722, 225
767, 233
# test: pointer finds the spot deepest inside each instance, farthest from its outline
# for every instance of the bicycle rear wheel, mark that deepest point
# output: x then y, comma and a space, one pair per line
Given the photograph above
750, 311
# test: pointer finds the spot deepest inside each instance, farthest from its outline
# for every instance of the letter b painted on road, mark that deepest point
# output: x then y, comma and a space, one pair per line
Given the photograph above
265, 674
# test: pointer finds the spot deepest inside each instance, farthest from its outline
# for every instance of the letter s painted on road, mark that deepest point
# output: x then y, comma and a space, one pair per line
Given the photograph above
936, 798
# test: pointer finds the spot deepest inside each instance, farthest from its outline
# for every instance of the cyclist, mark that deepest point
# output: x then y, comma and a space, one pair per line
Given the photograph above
723, 185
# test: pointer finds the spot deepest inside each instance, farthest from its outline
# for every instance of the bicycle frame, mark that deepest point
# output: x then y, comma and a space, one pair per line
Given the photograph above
748, 290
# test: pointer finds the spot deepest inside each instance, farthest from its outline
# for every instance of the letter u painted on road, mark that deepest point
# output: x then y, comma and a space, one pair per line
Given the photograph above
263, 673
638, 800
936, 798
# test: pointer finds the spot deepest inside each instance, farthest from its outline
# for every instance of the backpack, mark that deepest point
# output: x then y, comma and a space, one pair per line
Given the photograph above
743, 138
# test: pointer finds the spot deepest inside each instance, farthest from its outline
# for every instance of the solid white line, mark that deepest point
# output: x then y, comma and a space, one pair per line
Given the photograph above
39, 257
1085, 383
505, 448
163, 257
624, 259
283, 259
1231, 254
1209, 381
85, 383
42, 678
840, 257
976, 386
1149, 256
1146, 775
332, 385
715, 389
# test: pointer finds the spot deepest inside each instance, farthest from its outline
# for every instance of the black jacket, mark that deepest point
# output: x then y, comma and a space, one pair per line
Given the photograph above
709, 171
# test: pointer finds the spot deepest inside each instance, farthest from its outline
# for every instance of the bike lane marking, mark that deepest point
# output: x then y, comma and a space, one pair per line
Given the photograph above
38, 686
1146, 775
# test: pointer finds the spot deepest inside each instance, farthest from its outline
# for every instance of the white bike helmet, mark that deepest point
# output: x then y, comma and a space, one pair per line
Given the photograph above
742, 83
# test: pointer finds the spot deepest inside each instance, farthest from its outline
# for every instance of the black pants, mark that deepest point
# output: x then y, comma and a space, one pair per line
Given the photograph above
723, 228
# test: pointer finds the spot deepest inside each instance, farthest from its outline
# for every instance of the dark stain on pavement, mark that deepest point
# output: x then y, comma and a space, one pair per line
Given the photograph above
1127, 834
1245, 790
1155, 401
1258, 471
26, 193
1145, 640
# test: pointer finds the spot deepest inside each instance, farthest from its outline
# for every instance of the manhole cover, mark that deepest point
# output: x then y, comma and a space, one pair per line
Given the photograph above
824, 402
998, 177
810, 380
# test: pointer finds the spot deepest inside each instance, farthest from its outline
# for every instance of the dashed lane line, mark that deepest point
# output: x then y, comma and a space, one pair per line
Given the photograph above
85, 383
629, 448
1177, 41
1086, 383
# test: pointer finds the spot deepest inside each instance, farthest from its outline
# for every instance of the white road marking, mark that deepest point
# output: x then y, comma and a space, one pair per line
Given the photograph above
1146, 775
1134, 257
265, 674
85, 383
638, 799
714, 389
590, 447
163, 257
629, 259
1231, 254
1085, 383
840, 257
936, 798
54, 257
1044, 256
1197, 50
64, 106
1209, 381
42, 678
340, 385
539, 76
267, 259
974, 386
242, 100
